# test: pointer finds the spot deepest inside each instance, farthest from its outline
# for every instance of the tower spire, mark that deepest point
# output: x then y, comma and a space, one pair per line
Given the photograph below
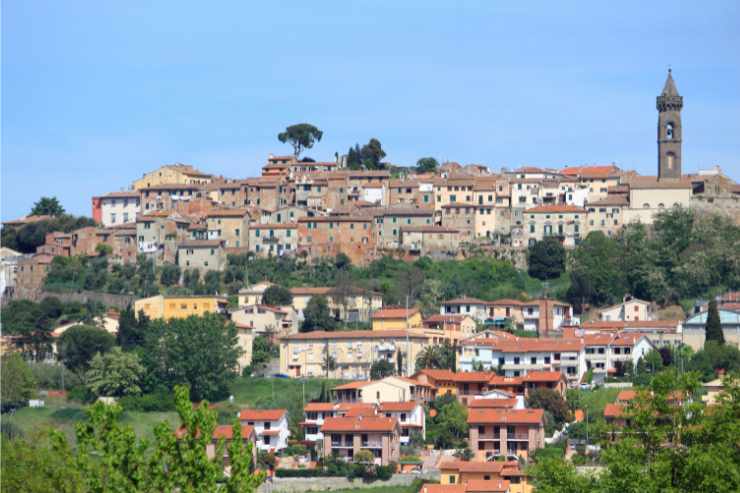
669, 88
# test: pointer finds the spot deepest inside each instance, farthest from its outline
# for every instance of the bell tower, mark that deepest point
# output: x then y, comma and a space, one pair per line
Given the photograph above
669, 105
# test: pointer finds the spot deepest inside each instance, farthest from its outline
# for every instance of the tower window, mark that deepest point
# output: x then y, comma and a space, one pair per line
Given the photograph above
669, 130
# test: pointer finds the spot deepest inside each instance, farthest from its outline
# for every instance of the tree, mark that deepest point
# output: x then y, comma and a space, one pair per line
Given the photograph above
426, 165
301, 136
448, 427
47, 206
80, 343
212, 282
371, 154
552, 402
440, 357
596, 275
316, 315
131, 330
546, 259
557, 476
714, 356
200, 352
713, 329
381, 369
277, 296
17, 384
115, 374
262, 352
170, 274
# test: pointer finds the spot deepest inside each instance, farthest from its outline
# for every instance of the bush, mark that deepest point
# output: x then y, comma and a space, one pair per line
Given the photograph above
296, 449
80, 393
384, 473
49, 376
303, 473
159, 401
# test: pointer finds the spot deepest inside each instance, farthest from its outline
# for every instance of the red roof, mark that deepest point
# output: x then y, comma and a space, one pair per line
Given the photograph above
465, 300
491, 403
626, 395
319, 407
359, 423
543, 376
472, 376
391, 313
442, 488
438, 374
506, 416
262, 414
612, 410
355, 334
352, 385
226, 432
591, 171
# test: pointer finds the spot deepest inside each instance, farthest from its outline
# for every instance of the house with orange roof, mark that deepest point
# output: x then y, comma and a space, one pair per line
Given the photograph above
396, 318
629, 310
410, 416
459, 472
494, 432
267, 320
463, 325
519, 355
316, 412
225, 433
270, 426
392, 388
346, 436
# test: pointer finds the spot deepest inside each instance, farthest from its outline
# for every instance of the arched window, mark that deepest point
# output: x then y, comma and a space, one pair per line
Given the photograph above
660, 206
670, 158
646, 206
669, 130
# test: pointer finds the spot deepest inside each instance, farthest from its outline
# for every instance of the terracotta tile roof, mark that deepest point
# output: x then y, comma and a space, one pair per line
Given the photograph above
442, 488
555, 208
359, 423
397, 406
354, 409
610, 200
465, 300
273, 226
506, 416
487, 486
353, 385
543, 376
502, 381
472, 376
355, 334
608, 171
438, 374
505, 301
393, 313
613, 410
626, 395
491, 403
227, 432
262, 414
526, 344
319, 407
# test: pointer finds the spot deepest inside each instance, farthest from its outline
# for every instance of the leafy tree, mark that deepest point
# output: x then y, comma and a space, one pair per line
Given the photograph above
201, 352
262, 352
80, 343
464, 454
371, 154
440, 356
596, 276
115, 374
713, 329
558, 476
17, 384
381, 369
301, 136
342, 261
426, 165
28, 237
277, 296
47, 206
329, 363
317, 316
131, 330
103, 249
448, 428
714, 356
170, 274
546, 259
212, 282
552, 402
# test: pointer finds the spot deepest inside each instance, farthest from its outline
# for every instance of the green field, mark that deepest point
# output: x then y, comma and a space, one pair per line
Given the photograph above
594, 401
62, 415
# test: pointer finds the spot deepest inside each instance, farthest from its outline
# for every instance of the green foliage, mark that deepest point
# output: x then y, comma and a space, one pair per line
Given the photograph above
17, 384
595, 273
262, 352
114, 374
131, 329
427, 165
557, 476
95, 274
50, 376
169, 274
440, 356
647, 367
449, 428
317, 316
714, 356
200, 352
713, 328
158, 401
80, 343
277, 296
552, 402
381, 368
546, 259
368, 156
464, 454
47, 206
301, 136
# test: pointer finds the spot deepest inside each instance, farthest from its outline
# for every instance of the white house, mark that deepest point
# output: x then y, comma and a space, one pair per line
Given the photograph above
630, 309
410, 415
604, 352
119, 208
270, 425
473, 307
316, 412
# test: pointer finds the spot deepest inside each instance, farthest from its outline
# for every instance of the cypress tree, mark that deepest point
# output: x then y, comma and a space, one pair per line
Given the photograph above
713, 329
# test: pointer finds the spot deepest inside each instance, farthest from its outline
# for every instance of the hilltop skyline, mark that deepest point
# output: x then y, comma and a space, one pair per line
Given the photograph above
88, 106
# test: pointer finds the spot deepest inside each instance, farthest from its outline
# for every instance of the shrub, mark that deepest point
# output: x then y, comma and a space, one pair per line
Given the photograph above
301, 473
49, 376
158, 401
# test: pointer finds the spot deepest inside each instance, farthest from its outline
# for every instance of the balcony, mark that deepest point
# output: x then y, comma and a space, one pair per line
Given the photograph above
372, 444
488, 436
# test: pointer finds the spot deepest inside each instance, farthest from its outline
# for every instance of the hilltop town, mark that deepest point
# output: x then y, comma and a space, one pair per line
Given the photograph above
448, 320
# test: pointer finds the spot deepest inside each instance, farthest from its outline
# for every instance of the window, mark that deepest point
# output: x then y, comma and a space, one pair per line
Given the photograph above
266, 439
669, 131
533, 360
516, 360
452, 478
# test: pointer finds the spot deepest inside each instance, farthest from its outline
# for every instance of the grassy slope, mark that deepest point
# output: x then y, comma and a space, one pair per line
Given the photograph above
62, 415
411, 488
595, 400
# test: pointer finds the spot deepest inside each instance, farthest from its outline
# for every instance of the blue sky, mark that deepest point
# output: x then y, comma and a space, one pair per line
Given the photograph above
96, 93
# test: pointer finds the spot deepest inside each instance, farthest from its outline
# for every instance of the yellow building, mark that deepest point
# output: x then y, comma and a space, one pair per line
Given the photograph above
464, 472
397, 319
168, 307
170, 174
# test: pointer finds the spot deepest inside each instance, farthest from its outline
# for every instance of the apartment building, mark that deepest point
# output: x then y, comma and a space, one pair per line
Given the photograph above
265, 320
346, 436
168, 307
169, 196
497, 432
565, 222
462, 324
460, 216
472, 307
595, 180
473, 474
516, 356
228, 225
607, 215
158, 235
228, 193
410, 416
328, 236
346, 304
273, 240
396, 318
388, 389
349, 354
204, 255
270, 427
316, 412
390, 220
429, 240
610, 353
116, 208
417, 192
629, 310
175, 174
